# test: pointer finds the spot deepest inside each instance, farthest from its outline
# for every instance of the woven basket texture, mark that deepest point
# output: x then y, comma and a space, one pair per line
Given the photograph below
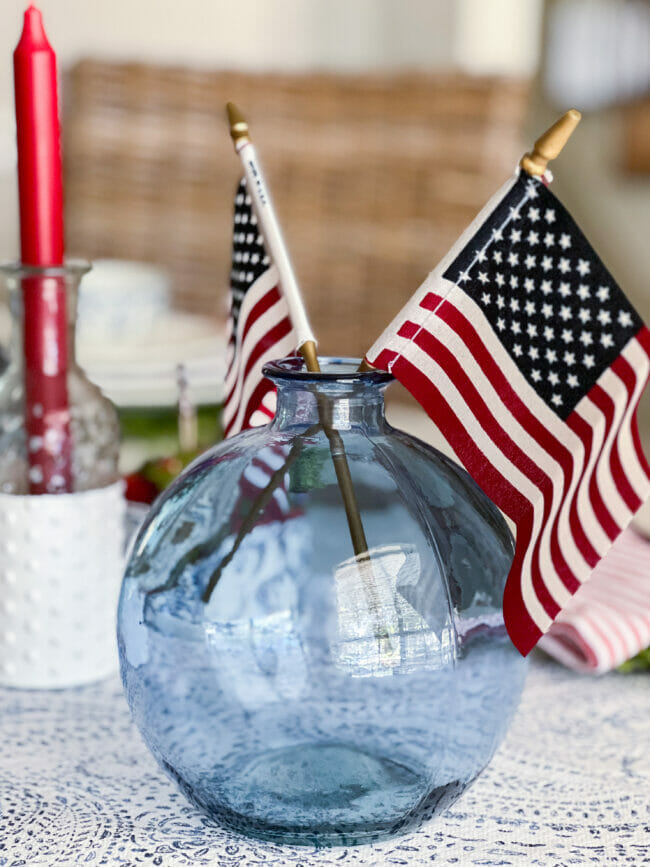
373, 177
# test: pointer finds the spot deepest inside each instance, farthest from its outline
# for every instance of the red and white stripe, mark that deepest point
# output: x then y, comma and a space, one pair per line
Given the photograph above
551, 477
264, 333
257, 476
608, 620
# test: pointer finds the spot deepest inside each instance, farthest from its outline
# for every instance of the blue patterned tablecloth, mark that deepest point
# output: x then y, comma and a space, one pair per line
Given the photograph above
569, 786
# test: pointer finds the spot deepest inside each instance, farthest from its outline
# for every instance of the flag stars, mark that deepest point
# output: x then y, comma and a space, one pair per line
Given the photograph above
603, 293
624, 319
584, 315
540, 287
604, 317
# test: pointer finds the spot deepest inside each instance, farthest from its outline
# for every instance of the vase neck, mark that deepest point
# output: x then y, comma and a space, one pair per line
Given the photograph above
305, 399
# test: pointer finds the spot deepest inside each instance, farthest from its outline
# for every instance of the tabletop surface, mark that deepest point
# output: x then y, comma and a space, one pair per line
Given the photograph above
568, 786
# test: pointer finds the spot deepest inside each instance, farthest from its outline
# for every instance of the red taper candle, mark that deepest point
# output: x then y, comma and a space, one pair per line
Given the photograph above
40, 186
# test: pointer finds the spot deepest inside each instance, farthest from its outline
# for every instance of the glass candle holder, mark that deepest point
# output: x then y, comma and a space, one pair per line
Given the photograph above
296, 691
93, 421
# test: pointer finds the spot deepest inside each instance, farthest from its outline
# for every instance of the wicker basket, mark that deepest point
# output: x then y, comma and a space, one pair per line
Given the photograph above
373, 177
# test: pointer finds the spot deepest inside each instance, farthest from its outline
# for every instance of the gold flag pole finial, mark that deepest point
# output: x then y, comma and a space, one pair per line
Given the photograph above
548, 146
237, 121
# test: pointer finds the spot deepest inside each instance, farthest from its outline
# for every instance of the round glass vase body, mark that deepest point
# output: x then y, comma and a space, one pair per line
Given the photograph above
94, 425
298, 692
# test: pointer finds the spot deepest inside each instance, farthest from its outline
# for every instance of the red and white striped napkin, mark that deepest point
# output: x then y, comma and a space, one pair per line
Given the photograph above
608, 620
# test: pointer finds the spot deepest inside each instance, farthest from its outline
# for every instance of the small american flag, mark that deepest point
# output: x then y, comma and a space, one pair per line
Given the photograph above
260, 328
531, 361
608, 620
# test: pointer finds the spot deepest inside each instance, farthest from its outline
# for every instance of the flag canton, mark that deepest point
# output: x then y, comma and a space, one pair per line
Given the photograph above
549, 299
249, 257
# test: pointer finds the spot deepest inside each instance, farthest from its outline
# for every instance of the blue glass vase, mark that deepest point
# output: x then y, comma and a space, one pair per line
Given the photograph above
295, 691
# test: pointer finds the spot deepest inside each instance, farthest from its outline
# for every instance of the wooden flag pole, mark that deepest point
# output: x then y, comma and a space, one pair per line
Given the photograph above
263, 206
549, 145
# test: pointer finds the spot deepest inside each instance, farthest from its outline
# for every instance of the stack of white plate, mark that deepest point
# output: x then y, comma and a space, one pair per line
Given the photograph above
130, 341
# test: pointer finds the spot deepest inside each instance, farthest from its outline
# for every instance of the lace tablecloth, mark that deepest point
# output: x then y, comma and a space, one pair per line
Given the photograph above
569, 786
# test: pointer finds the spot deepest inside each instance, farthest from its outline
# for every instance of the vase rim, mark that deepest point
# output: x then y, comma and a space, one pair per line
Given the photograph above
333, 369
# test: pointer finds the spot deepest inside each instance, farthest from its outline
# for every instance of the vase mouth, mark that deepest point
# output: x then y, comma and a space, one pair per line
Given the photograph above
70, 268
333, 369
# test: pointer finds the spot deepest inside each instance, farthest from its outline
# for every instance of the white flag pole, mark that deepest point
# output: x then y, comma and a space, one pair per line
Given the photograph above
268, 222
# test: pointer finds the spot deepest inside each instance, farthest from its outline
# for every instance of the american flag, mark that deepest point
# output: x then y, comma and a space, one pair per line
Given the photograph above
608, 620
531, 361
259, 324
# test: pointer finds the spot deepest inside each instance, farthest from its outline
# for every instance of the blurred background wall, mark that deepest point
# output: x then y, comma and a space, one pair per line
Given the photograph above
270, 35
